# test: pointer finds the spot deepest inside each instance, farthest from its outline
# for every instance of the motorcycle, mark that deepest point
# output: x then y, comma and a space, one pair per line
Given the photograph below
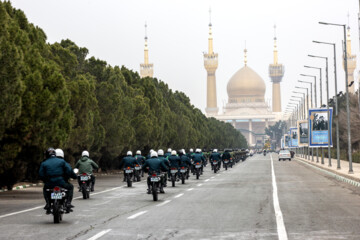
231, 163
154, 185
264, 153
85, 181
58, 200
215, 166
197, 169
137, 173
183, 174
226, 162
128, 175
173, 175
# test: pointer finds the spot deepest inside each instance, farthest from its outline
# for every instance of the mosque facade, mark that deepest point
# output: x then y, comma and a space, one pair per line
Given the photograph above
246, 108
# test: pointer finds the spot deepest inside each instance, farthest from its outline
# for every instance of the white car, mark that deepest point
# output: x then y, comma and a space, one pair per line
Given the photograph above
284, 154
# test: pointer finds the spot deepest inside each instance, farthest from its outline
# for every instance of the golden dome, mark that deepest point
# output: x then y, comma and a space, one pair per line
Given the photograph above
246, 86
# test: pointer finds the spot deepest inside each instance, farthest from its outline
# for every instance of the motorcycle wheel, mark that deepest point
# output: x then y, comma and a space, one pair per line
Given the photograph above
215, 169
56, 212
154, 192
129, 183
182, 179
197, 175
84, 191
225, 166
173, 181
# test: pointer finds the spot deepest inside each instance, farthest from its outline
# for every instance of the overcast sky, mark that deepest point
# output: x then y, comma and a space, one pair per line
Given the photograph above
113, 30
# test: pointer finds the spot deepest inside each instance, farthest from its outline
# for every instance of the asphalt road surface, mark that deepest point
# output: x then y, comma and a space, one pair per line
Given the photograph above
260, 198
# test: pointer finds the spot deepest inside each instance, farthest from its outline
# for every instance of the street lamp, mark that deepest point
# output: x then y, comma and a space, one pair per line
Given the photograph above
311, 92
315, 83
347, 93
307, 97
303, 98
327, 104
336, 105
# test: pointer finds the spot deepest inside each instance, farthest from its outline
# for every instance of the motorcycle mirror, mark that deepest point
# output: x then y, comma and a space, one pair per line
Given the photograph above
76, 170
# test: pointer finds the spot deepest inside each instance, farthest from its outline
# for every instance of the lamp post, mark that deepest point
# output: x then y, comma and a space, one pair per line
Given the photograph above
307, 99
318, 68
311, 91
336, 105
306, 75
327, 105
303, 98
347, 94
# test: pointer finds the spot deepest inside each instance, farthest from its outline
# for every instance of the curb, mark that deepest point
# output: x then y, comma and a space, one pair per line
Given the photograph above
23, 186
41, 184
337, 176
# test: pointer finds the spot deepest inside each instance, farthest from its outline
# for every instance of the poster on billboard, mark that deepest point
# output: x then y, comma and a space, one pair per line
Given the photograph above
303, 133
319, 127
282, 143
286, 140
293, 137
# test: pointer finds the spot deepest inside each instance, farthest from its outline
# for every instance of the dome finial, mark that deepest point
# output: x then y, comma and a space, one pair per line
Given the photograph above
245, 55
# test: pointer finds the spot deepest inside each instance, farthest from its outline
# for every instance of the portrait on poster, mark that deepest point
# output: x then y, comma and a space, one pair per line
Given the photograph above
320, 127
303, 133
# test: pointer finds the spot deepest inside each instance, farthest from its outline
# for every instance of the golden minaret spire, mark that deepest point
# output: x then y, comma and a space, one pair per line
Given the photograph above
211, 64
351, 62
276, 72
146, 69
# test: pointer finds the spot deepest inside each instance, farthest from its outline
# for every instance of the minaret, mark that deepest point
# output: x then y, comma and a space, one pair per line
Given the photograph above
211, 64
351, 62
276, 73
146, 68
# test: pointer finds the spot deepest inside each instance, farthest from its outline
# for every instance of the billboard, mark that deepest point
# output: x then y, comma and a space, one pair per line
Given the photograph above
303, 133
293, 137
319, 127
287, 140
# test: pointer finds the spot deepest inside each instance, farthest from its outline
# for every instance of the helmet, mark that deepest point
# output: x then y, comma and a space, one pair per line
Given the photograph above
138, 152
215, 150
183, 151
173, 152
50, 152
198, 150
129, 153
153, 154
85, 153
59, 153
160, 152
169, 149
191, 150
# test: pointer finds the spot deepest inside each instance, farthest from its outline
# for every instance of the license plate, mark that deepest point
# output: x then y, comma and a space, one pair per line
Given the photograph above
137, 168
182, 171
84, 178
154, 179
198, 166
56, 195
128, 171
226, 161
214, 162
173, 171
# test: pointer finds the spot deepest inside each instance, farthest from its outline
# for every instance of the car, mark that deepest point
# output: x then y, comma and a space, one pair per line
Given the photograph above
284, 154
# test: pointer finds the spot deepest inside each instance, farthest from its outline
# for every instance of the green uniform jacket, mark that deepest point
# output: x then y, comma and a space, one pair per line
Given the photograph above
86, 165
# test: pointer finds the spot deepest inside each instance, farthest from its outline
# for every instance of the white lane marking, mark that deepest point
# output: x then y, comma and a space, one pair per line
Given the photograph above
162, 204
212, 177
14, 213
190, 189
199, 185
179, 195
278, 214
136, 215
207, 180
100, 234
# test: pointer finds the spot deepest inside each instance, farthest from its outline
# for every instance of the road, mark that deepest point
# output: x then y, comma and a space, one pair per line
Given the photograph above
236, 204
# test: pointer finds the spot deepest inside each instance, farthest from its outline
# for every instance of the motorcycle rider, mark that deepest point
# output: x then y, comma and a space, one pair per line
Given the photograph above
52, 171
175, 162
226, 156
185, 161
86, 165
198, 158
168, 153
155, 165
215, 156
162, 158
140, 159
128, 161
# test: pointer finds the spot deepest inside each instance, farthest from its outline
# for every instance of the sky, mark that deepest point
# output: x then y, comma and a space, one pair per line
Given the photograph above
113, 30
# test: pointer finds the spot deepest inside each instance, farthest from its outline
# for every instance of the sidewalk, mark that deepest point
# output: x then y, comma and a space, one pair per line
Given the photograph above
340, 174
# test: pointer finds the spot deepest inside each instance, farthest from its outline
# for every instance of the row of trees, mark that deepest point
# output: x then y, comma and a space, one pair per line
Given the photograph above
53, 95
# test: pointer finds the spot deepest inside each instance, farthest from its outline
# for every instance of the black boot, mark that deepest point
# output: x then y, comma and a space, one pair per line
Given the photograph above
92, 187
162, 190
47, 207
